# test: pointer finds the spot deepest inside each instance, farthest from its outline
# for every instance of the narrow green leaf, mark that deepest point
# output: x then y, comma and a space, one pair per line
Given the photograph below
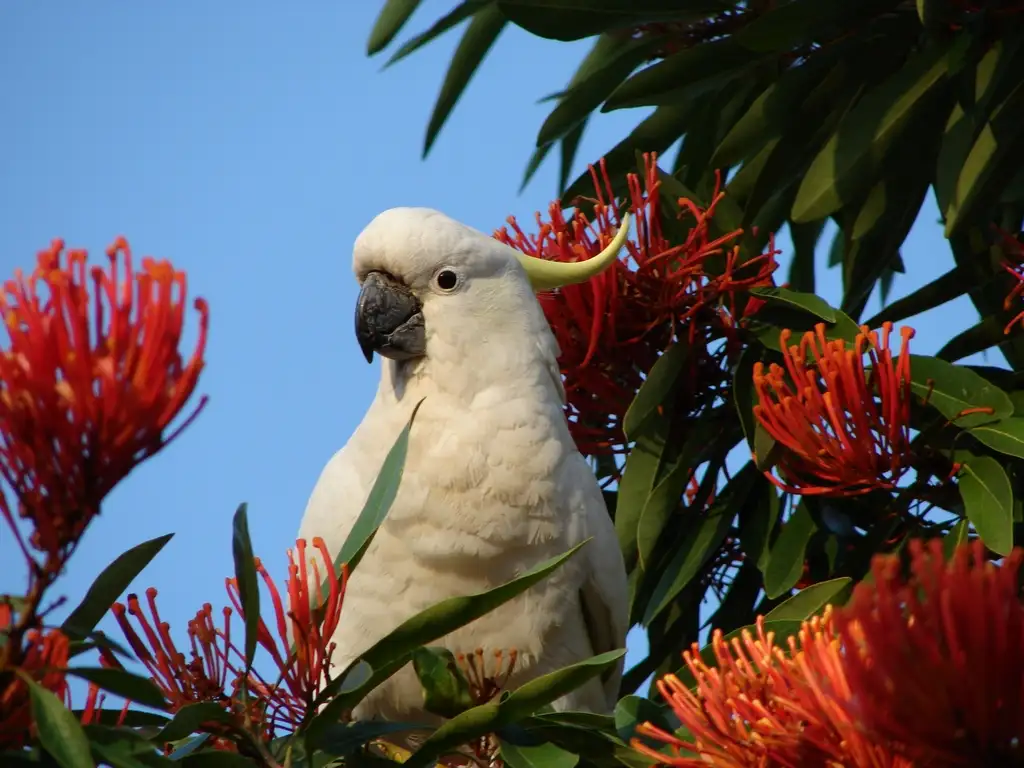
59, 733
453, 18
988, 501
477, 40
786, 562
848, 160
1006, 436
389, 23
343, 739
951, 285
805, 243
110, 585
656, 388
392, 652
953, 389
122, 683
445, 688
568, 20
540, 756
806, 302
217, 759
187, 720
378, 502
956, 536
133, 718
743, 396
807, 602
245, 575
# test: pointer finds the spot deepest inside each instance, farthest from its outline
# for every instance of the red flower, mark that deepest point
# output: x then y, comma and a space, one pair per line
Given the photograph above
844, 428
42, 656
760, 705
89, 384
613, 328
939, 657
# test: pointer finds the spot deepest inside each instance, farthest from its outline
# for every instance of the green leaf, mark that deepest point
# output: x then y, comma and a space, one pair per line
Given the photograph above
342, 739
217, 759
378, 502
477, 40
389, 23
949, 286
952, 389
59, 733
611, 60
122, 683
656, 388
1006, 436
743, 395
456, 16
540, 756
187, 720
245, 575
568, 20
792, 24
956, 536
786, 561
990, 164
518, 705
805, 243
445, 689
988, 501
709, 63
807, 602
631, 711
124, 748
846, 164
687, 561
392, 652
110, 585
806, 302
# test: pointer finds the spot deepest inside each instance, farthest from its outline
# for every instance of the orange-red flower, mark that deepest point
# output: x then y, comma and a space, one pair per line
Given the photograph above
612, 329
844, 427
90, 381
303, 647
936, 661
43, 656
760, 705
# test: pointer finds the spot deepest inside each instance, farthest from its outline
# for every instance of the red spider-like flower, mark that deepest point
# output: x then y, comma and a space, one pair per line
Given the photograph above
844, 428
761, 705
43, 657
612, 329
936, 661
90, 382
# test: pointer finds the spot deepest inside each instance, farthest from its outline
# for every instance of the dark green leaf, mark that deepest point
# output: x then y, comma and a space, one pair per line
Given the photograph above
122, 683
1006, 436
956, 536
540, 756
132, 718
456, 16
806, 302
575, 19
477, 40
187, 720
845, 166
389, 23
656, 388
743, 395
789, 25
124, 748
392, 652
953, 389
518, 705
945, 288
110, 585
631, 711
445, 688
786, 562
805, 243
59, 733
217, 759
378, 502
988, 501
342, 739
807, 602
245, 575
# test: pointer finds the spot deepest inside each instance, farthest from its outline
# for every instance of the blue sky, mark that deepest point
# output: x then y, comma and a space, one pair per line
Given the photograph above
250, 143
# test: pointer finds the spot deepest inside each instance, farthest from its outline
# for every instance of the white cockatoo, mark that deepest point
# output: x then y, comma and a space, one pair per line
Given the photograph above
493, 484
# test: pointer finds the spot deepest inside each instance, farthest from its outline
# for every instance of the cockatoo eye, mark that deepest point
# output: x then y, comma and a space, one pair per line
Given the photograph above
447, 279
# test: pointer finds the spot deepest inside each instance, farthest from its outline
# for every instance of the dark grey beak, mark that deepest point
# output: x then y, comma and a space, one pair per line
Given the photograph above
389, 320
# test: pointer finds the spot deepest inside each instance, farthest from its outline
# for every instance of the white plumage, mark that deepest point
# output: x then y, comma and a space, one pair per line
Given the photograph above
493, 484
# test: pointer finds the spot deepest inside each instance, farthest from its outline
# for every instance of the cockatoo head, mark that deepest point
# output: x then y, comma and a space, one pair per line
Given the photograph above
424, 275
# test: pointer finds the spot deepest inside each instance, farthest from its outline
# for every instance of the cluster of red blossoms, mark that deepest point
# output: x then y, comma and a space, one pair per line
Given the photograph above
912, 672
661, 291
91, 381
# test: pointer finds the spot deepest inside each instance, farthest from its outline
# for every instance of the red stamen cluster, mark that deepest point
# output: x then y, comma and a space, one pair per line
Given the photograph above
43, 658
844, 427
612, 329
90, 381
